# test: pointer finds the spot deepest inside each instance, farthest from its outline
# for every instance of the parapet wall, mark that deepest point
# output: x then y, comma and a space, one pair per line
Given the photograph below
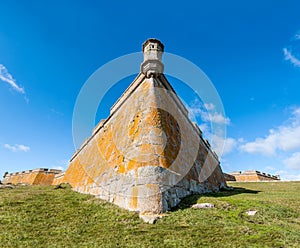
253, 176
40, 176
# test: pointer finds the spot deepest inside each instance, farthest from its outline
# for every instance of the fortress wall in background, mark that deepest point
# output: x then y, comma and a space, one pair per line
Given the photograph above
253, 176
229, 177
40, 176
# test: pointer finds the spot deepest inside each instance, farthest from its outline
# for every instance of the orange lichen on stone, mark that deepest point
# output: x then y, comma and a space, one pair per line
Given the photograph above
134, 198
43, 179
134, 125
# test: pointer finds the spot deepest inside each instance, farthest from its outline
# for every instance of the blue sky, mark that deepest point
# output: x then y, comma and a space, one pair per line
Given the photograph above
250, 50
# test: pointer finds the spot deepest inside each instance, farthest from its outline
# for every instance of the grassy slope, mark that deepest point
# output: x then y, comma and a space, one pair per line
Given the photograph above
48, 217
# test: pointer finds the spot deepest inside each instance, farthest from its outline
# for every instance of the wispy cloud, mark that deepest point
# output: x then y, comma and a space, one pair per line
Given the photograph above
209, 106
287, 175
16, 148
56, 112
223, 145
207, 112
6, 77
270, 168
285, 138
57, 168
61, 164
293, 162
216, 118
290, 57
297, 35
291, 177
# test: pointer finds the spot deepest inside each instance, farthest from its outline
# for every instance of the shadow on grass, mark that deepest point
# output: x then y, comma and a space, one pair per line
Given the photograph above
188, 201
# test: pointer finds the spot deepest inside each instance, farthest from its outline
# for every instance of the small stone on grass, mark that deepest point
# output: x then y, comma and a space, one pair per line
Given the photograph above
150, 217
203, 205
251, 212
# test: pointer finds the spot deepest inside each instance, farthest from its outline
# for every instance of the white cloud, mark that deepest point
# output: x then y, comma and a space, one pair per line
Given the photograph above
283, 138
61, 164
204, 128
270, 168
297, 36
223, 145
290, 57
194, 111
293, 162
57, 168
207, 113
216, 118
16, 148
288, 175
5, 76
262, 146
209, 106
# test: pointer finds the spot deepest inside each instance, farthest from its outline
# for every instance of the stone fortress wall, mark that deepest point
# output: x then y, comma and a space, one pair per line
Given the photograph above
129, 165
40, 176
251, 176
56, 177
147, 155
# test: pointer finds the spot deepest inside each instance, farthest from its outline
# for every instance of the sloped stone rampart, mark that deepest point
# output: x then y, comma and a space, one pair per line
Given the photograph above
39, 176
147, 155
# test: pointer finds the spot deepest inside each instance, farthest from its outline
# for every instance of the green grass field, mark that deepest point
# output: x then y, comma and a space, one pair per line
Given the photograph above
48, 217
